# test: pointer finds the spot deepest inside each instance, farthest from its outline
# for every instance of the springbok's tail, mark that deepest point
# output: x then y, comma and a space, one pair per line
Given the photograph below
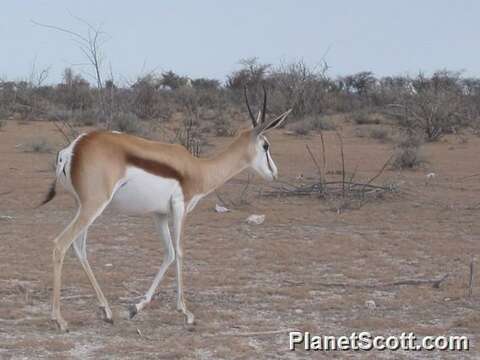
52, 189
62, 172
51, 193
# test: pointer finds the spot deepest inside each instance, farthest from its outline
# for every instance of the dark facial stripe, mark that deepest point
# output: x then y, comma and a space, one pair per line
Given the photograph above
268, 162
154, 167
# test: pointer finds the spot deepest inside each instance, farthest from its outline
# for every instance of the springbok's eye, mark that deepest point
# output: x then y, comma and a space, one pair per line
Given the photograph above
265, 146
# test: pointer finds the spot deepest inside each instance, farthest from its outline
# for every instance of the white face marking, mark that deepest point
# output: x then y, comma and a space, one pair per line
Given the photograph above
263, 163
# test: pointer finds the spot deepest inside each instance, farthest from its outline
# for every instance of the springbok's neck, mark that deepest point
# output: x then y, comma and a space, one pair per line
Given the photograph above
225, 165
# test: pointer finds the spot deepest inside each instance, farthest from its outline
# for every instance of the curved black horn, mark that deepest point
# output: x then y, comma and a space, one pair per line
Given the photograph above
264, 110
254, 122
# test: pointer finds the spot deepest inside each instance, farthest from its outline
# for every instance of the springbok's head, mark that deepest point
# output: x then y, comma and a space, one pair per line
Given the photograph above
261, 158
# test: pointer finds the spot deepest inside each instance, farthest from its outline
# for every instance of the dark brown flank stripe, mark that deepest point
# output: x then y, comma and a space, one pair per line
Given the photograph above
154, 167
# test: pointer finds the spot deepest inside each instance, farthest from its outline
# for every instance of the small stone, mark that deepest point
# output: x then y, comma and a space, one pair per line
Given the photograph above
370, 304
221, 209
298, 311
256, 219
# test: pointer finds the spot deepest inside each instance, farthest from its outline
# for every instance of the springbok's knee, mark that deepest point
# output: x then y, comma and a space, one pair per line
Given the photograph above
170, 258
58, 254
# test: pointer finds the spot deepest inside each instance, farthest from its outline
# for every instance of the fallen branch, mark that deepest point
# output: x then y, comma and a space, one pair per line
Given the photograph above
354, 188
352, 194
468, 177
409, 282
380, 171
71, 297
470, 280
314, 161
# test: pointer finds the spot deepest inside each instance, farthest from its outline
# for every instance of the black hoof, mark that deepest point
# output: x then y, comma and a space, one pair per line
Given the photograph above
132, 311
105, 316
60, 326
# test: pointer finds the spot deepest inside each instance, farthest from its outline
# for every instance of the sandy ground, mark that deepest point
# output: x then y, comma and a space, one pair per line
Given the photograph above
244, 278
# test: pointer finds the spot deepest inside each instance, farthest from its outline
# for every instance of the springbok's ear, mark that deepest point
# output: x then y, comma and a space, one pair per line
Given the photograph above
272, 124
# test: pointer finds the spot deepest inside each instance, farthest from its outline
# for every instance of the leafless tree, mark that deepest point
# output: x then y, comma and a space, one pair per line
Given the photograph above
90, 44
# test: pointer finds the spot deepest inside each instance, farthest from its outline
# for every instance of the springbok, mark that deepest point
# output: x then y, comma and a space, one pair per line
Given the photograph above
139, 176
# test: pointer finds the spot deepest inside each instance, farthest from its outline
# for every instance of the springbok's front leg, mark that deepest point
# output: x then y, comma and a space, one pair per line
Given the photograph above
178, 212
161, 222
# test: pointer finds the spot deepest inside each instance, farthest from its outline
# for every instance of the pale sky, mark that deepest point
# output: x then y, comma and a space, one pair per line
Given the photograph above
206, 38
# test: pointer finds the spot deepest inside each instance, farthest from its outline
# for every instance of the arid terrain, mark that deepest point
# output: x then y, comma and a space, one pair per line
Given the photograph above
243, 278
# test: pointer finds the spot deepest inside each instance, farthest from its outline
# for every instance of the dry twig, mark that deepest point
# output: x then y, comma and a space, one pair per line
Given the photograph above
412, 282
470, 279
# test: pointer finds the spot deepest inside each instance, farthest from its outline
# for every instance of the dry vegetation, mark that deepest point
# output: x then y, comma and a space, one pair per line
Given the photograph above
426, 107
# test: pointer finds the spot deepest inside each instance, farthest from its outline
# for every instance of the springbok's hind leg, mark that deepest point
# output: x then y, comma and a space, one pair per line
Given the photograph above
80, 246
161, 222
86, 215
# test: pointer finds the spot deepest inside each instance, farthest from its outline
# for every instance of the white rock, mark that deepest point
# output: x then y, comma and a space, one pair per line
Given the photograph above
431, 175
370, 304
221, 209
256, 219
108, 265
298, 311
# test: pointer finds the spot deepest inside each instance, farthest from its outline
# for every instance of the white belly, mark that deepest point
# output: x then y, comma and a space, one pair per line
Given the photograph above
141, 192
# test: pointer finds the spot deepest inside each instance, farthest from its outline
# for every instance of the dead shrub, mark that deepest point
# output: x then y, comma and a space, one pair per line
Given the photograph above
223, 127
408, 154
88, 117
407, 158
300, 128
410, 140
364, 118
40, 145
312, 123
3, 117
344, 193
75, 91
188, 135
432, 106
127, 123
380, 134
